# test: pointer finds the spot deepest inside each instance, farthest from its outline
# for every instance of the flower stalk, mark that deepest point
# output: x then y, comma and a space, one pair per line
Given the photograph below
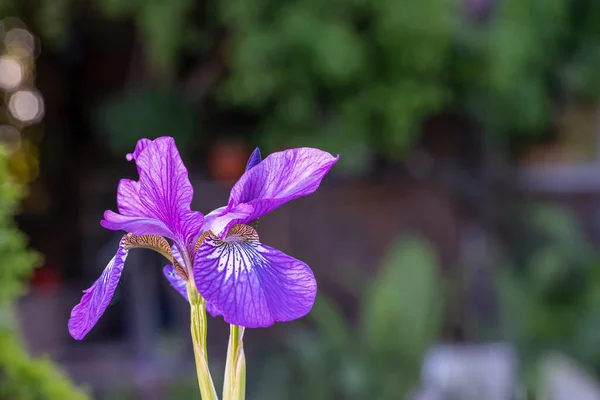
198, 330
234, 385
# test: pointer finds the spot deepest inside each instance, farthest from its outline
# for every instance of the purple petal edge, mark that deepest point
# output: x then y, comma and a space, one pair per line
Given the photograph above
254, 159
139, 147
176, 281
279, 178
251, 284
97, 298
213, 309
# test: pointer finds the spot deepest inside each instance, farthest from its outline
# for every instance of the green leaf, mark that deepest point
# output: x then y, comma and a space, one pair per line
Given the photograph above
163, 25
402, 314
331, 325
21, 377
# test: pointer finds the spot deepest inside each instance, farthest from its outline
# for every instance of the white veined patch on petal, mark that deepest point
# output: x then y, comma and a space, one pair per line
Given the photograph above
253, 285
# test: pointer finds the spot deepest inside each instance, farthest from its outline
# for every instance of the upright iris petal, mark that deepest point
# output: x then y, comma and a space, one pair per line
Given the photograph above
159, 203
139, 147
279, 178
97, 298
253, 285
254, 159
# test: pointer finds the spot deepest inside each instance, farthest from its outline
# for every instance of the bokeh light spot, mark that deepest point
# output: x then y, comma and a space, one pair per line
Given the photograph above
11, 73
20, 41
26, 106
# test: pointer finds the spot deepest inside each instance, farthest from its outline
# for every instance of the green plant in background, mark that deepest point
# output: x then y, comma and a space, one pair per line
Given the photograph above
379, 355
162, 112
361, 76
549, 290
506, 71
357, 74
21, 377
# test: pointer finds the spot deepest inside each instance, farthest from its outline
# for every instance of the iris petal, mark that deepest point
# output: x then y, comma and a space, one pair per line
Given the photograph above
254, 159
220, 219
177, 255
253, 285
179, 284
213, 309
159, 203
175, 280
279, 178
97, 298
139, 147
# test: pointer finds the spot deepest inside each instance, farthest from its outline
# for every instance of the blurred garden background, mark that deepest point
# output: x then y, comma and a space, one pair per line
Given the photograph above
456, 243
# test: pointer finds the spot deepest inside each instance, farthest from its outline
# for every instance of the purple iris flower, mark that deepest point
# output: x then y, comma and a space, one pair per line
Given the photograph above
248, 283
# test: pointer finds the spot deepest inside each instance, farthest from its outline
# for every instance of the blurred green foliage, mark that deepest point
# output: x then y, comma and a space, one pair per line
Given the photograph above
549, 297
356, 76
158, 112
346, 73
21, 377
359, 72
377, 356
547, 292
163, 26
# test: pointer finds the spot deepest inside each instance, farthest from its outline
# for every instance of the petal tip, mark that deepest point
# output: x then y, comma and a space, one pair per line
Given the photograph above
139, 148
255, 158
77, 335
106, 222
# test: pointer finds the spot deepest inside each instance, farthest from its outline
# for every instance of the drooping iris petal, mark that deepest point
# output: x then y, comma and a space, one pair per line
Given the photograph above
175, 280
279, 178
97, 298
254, 159
179, 284
159, 203
251, 284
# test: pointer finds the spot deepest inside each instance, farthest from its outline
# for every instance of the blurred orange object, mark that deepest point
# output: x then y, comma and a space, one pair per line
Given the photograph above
227, 160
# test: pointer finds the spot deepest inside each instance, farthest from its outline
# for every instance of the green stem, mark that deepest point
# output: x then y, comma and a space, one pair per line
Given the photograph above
234, 385
198, 329
235, 338
239, 391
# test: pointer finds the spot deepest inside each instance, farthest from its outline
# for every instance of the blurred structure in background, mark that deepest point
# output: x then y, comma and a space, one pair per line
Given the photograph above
473, 371
464, 212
